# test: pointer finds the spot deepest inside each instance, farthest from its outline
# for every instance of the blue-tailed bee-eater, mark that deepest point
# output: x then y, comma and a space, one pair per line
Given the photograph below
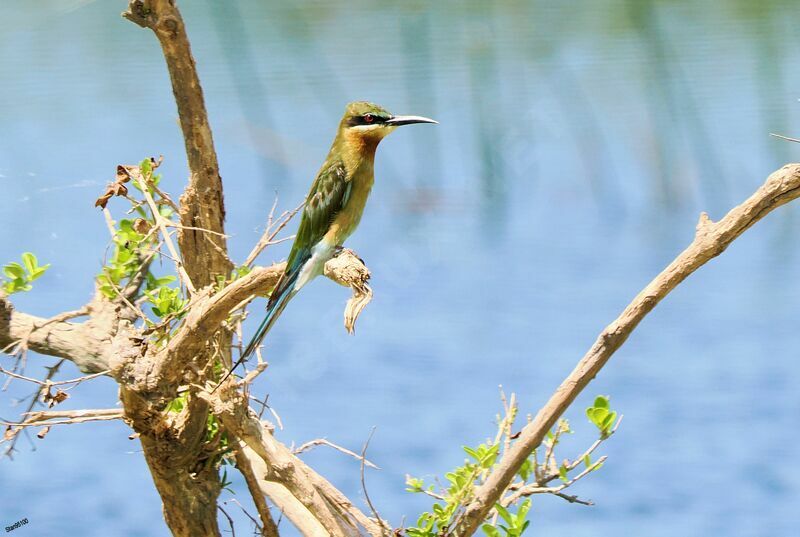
334, 204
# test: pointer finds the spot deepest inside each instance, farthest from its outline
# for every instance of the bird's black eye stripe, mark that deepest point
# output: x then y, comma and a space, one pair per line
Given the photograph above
367, 119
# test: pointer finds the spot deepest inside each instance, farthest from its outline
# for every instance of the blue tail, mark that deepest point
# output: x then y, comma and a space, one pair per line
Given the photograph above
277, 304
281, 295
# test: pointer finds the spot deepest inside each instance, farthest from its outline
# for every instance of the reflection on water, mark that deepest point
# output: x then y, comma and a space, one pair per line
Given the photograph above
578, 142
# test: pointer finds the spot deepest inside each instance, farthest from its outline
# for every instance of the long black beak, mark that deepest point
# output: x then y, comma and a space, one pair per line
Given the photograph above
408, 120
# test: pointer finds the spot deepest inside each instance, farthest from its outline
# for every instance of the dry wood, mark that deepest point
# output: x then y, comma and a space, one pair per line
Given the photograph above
202, 201
180, 456
711, 239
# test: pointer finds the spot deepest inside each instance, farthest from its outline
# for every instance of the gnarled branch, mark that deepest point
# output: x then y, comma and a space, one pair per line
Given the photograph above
204, 254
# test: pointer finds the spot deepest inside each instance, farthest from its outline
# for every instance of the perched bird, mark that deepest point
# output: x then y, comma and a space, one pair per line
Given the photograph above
334, 204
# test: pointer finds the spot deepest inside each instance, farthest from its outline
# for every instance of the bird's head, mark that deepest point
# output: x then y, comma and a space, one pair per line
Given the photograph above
371, 123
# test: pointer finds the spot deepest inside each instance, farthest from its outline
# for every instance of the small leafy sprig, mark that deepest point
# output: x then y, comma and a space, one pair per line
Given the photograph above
534, 476
601, 415
126, 257
20, 276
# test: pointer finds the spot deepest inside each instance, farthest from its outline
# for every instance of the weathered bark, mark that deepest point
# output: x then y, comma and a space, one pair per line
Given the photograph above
204, 257
79, 342
188, 488
202, 203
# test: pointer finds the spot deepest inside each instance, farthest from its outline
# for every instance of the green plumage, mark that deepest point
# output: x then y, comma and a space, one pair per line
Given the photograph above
334, 204
328, 195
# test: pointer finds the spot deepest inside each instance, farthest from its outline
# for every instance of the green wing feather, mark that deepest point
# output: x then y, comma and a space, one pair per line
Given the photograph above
328, 195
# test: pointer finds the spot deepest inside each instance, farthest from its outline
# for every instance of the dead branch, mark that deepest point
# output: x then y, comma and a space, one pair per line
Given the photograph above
208, 313
349, 270
47, 419
270, 234
288, 505
332, 509
268, 526
81, 343
711, 239
324, 442
162, 224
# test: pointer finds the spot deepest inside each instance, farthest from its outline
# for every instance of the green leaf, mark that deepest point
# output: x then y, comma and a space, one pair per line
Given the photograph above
14, 270
587, 460
562, 473
37, 273
471, 452
526, 469
146, 167
490, 530
504, 514
30, 262
523, 509
601, 401
609, 420
414, 484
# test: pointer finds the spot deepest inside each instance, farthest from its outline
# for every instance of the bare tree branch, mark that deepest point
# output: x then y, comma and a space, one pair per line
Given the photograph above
324, 442
711, 239
284, 500
202, 201
82, 343
268, 527
323, 501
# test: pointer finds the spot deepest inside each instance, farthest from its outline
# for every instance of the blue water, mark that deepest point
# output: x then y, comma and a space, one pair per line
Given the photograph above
578, 144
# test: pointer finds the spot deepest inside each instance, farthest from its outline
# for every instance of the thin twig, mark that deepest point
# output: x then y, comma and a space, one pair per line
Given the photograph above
230, 520
268, 237
57, 383
51, 371
324, 442
267, 526
363, 458
169, 223
784, 137
162, 224
528, 490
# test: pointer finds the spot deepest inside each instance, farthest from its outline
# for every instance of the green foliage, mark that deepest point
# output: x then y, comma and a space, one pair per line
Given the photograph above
602, 416
462, 483
152, 180
517, 523
546, 476
166, 302
224, 482
177, 404
135, 242
237, 272
21, 276
125, 261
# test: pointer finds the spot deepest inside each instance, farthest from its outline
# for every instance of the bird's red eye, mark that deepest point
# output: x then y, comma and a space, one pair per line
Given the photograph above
369, 118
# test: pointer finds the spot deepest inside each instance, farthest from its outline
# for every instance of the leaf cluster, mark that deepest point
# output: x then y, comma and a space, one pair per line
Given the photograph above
509, 516
18, 277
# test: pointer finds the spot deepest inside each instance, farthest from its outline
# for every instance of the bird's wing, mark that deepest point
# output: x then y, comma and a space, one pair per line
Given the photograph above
327, 197
329, 193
